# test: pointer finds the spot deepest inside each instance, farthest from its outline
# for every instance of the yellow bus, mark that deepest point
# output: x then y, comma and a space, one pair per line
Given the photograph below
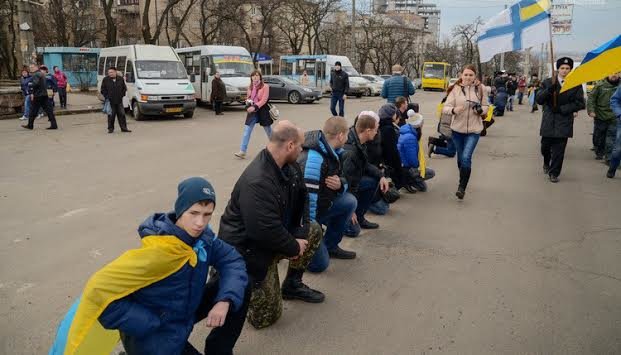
435, 75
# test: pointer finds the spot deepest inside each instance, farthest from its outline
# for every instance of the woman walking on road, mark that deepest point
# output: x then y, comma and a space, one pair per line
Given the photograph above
466, 102
258, 111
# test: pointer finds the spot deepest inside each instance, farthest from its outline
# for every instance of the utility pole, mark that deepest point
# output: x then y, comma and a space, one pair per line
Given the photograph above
353, 32
502, 55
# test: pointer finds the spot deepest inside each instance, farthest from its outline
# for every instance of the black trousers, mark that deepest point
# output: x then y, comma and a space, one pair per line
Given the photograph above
62, 96
39, 103
217, 106
117, 111
221, 340
553, 151
604, 133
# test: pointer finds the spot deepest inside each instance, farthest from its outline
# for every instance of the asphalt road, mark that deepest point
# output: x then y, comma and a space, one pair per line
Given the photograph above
520, 266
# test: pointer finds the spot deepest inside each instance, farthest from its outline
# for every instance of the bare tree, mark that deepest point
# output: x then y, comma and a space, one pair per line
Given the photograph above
148, 37
9, 65
466, 34
292, 25
110, 22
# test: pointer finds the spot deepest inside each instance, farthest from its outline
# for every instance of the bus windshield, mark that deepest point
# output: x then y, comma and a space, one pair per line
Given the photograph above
233, 65
434, 71
160, 69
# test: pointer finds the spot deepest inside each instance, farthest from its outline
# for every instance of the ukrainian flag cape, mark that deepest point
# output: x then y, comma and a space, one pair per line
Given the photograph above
80, 332
596, 65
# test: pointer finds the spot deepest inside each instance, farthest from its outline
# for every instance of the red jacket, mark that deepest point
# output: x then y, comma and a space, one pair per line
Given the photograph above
61, 79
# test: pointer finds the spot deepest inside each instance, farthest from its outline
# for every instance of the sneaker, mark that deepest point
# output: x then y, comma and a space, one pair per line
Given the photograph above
365, 224
338, 253
40, 115
554, 179
23, 118
241, 155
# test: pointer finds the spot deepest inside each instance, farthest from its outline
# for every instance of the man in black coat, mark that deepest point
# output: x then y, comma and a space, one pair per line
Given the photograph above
339, 84
267, 219
40, 99
364, 178
559, 111
113, 89
511, 89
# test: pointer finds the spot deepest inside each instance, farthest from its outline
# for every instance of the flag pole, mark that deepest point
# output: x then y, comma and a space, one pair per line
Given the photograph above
552, 58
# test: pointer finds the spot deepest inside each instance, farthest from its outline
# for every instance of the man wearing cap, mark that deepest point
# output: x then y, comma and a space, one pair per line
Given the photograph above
339, 84
267, 219
157, 318
557, 124
397, 85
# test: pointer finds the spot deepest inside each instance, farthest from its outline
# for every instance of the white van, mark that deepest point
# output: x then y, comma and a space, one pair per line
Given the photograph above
233, 63
157, 82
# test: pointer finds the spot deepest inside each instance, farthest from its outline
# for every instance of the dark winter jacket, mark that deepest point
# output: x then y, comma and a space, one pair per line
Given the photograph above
356, 163
218, 90
39, 84
500, 82
408, 146
397, 85
558, 121
339, 82
25, 83
318, 161
500, 100
390, 137
599, 100
266, 213
159, 318
113, 90
511, 87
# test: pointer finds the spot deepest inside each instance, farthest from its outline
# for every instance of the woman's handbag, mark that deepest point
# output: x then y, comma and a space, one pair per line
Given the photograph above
274, 112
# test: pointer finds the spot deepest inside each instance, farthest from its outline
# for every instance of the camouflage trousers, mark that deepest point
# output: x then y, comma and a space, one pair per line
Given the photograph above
266, 301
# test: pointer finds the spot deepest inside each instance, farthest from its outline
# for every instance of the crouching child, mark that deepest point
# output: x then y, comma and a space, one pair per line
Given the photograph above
412, 154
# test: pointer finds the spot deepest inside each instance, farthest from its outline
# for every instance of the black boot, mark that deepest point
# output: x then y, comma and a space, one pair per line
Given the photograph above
464, 177
294, 289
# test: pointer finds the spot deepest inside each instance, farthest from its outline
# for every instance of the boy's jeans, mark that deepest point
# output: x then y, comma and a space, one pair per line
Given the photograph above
337, 98
27, 106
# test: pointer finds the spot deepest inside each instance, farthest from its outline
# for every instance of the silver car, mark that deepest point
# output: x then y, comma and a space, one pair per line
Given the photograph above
283, 88
376, 84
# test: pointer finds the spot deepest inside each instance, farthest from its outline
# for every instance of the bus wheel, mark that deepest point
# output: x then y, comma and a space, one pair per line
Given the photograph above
138, 116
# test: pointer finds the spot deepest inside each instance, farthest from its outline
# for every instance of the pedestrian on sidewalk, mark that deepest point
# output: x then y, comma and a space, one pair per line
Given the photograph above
266, 220
40, 98
113, 89
397, 85
329, 202
339, 84
615, 159
257, 111
512, 86
557, 124
604, 120
61, 82
25, 82
467, 103
304, 79
218, 93
521, 89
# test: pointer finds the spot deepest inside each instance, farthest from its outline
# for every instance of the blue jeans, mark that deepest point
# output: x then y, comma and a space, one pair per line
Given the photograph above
27, 105
248, 131
510, 104
615, 159
335, 221
379, 207
337, 97
465, 145
449, 150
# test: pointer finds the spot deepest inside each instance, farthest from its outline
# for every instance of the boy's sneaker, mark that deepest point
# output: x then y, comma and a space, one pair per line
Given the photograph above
23, 118
241, 155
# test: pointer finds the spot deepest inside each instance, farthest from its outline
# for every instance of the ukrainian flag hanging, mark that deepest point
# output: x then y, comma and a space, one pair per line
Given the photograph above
80, 332
597, 64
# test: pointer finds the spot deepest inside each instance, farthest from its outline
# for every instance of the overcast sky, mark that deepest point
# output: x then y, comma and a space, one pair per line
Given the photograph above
595, 21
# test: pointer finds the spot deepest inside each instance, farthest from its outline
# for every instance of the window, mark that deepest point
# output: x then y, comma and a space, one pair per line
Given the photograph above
129, 74
110, 62
286, 68
102, 70
79, 62
160, 69
120, 64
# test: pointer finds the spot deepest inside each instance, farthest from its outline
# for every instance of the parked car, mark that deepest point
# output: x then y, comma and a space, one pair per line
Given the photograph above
358, 86
376, 83
385, 76
417, 82
283, 88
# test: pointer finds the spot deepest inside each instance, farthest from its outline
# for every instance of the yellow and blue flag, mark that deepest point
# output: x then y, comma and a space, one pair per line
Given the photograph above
597, 64
522, 25
80, 332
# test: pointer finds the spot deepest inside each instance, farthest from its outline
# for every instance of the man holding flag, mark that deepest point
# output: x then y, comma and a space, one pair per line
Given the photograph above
557, 124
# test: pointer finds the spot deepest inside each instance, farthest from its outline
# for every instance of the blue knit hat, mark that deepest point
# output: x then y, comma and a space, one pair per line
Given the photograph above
191, 191
387, 111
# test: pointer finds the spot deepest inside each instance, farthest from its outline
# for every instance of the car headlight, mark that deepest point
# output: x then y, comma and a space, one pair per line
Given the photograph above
308, 90
189, 97
149, 98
